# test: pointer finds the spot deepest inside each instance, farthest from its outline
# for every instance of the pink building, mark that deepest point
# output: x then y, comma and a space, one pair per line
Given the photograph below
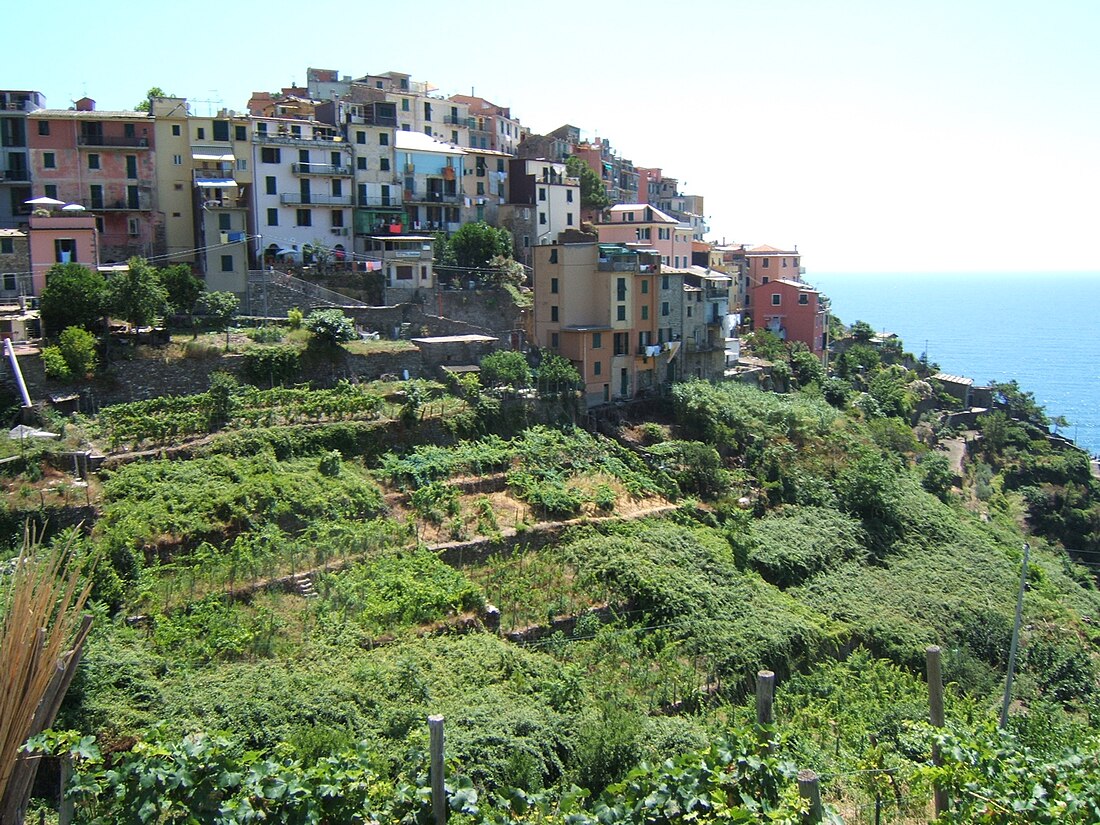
790, 309
766, 263
61, 238
640, 223
103, 161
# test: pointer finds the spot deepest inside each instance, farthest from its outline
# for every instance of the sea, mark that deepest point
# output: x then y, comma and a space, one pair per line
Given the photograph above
1042, 329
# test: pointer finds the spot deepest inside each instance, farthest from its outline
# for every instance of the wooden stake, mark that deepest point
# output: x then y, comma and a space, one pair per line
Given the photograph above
439, 794
810, 789
935, 716
765, 694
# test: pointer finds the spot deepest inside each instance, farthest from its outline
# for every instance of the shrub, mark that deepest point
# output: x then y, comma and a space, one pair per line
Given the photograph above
77, 347
53, 362
201, 350
272, 365
330, 326
294, 318
505, 368
266, 335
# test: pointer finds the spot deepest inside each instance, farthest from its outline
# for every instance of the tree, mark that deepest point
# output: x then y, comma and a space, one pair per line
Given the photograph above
557, 374
77, 347
74, 296
475, 244
505, 271
593, 193
155, 91
221, 306
330, 326
183, 287
805, 365
505, 368
937, 476
136, 295
862, 331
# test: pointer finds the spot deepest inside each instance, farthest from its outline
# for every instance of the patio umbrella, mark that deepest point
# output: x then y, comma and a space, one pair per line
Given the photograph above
42, 200
72, 207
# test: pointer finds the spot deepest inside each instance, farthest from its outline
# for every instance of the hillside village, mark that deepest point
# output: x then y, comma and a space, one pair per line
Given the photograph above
365, 176
367, 413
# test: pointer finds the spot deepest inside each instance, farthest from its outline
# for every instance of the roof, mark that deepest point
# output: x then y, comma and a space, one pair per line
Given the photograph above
764, 249
456, 339
417, 142
801, 286
402, 238
95, 114
658, 215
952, 379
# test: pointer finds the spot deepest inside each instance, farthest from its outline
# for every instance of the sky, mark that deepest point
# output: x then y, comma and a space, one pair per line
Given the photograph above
876, 135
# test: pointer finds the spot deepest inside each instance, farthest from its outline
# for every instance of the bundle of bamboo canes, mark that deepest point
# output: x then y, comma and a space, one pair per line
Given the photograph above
41, 640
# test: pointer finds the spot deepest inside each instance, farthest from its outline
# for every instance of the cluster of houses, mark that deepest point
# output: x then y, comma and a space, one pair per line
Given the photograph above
362, 172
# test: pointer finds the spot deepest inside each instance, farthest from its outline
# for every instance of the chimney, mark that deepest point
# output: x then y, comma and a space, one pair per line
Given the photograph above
85, 104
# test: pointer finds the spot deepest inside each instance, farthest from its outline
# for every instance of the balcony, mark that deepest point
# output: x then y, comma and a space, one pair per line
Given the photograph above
111, 141
465, 122
16, 175
212, 174
378, 200
142, 203
321, 169
296, 140
432, 197
299, 199
617, 266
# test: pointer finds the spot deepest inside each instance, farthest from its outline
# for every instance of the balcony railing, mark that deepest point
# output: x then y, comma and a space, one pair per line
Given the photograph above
17, 174
468, 122
300, 199
213, 174
617, 266
378, 200
432, 197
109, 141
321, 169
295, 140
142, 203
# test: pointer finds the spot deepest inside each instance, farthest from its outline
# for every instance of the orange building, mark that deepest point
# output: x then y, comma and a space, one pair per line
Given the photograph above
792, 310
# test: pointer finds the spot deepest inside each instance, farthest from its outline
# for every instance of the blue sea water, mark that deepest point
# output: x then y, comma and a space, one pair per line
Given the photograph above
1043, 329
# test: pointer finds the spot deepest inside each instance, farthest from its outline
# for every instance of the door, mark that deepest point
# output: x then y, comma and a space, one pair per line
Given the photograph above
303, 187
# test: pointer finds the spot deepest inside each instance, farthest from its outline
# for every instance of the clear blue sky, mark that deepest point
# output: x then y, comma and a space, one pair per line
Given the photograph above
876, 135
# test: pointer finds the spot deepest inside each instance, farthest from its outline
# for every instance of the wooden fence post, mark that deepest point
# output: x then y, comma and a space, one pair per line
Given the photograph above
439, 795
935, 716
810, 789
765, 694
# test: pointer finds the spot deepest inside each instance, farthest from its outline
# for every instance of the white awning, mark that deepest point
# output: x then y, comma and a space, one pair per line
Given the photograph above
216, 183
208, 156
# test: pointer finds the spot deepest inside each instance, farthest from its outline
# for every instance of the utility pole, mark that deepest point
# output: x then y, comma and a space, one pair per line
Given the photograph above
1015, 638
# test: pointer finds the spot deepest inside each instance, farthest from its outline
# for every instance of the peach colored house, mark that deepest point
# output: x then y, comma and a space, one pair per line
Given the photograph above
597, 305
644, 224
769, 263
792, 310
61, 238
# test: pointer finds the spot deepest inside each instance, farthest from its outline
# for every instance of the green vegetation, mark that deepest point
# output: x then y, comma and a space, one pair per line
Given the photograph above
74, 296
816, 533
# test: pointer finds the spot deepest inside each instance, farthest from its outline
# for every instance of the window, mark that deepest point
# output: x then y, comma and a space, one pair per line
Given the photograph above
261, 128
526, 241
242, 164
784, 263
240, 133
361, 163
765, 263
620, 312
620, 289
383, 139
554, 283
542, 218
227, 263
689, 312
804, 299
337, 218
177, 160
622, 343
269, 183
568, 218
645, 312
49, 160
221, 130
663, 233
272, 216
95, 191
664, 282
131, 167
7, 246
269, 154
554, 340
225, 221
500, 164
542, 193
645, 286
93, 161
200, 133
597, 367
50, 190
597, 340
384, 164
404, 104
428, 131
44, 127
553, 315
361, 137
304, 218
664, 308
777, 299
568, 195
481, 187
296, 131
427, 111
337, 188
405, 127
454, 137
628, 217
764, 280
